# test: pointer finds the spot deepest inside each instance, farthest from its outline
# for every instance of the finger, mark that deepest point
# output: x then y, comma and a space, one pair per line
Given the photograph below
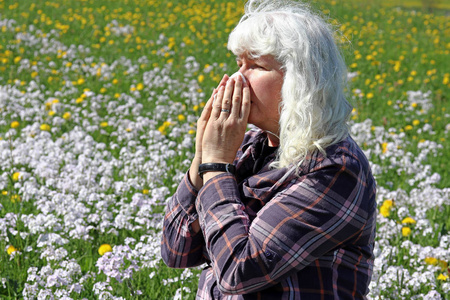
246, 104
208, 106
226, 100
213, 96
217, 106
223, 81
237, 96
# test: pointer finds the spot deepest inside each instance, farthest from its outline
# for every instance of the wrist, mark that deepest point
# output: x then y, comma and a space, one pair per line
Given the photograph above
210, 175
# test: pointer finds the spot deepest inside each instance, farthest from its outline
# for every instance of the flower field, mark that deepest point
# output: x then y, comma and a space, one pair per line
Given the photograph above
98, 104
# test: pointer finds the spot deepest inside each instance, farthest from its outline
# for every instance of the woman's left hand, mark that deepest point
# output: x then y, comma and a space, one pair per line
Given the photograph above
227, 124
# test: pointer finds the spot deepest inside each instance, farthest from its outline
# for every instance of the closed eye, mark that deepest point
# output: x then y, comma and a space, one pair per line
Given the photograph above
250, 65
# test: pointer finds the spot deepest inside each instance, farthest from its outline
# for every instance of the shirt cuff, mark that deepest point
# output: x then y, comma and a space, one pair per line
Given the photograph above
222, 186
186, 195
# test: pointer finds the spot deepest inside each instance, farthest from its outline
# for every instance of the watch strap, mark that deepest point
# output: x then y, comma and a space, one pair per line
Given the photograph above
212, 167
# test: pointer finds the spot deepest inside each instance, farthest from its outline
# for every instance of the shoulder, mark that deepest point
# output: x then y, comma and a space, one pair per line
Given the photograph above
344, 154
343, 171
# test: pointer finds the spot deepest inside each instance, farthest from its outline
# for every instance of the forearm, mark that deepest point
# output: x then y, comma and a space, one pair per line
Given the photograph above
236, 256
195, 179
181, 246
182, 242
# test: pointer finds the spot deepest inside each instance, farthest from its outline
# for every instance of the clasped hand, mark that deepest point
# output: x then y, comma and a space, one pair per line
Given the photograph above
227, 114
222, 125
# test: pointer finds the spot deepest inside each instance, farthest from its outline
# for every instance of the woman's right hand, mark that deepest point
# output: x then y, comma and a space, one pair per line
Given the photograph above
196, 181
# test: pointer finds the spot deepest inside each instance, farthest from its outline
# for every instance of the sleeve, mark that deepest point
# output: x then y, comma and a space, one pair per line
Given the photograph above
181, 247
313, 216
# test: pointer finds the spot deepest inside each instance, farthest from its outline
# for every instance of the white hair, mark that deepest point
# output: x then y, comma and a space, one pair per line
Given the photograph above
314, 110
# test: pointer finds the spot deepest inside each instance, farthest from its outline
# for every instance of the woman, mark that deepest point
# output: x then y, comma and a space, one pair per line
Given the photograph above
286, 210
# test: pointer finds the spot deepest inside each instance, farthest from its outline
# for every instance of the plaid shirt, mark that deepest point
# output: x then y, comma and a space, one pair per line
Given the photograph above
276, 235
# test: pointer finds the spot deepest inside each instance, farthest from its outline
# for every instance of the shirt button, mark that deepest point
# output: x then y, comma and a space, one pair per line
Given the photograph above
268, 254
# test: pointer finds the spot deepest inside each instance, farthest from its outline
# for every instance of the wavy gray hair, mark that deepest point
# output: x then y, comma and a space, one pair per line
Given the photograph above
314, 109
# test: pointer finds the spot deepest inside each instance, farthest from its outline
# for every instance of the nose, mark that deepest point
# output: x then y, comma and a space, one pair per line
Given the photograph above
243, 70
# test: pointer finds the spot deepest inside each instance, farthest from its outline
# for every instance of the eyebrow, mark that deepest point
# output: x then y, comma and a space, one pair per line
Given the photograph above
248, 59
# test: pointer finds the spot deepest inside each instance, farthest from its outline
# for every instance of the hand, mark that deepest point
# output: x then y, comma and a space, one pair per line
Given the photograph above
196, 181
227, 122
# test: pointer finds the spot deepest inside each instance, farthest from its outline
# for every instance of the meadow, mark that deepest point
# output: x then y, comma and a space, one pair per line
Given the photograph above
98, 104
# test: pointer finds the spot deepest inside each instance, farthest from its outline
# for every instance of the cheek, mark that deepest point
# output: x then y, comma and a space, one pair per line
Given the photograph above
266, 89
260, 85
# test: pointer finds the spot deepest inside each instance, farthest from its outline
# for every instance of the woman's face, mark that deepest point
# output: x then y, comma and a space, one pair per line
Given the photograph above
265, 80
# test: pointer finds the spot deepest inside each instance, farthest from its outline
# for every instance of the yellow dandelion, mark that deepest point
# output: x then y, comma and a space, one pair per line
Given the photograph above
51, 113
16, 176
408, 127
431, 260
11, 249
389, 203
181, 118
163, 127
17, 59
104, 248
191, 131
103, 124
139, 86
201, 77
67, 115
15, 198
79, 100
442, 277
145, 191
406, 231
15, 124
80, 81
408, 220
416, 122
4, 193
385, 211
45, 127
384, 147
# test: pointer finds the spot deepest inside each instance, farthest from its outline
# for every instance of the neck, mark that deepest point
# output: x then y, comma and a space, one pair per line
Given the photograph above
273, 139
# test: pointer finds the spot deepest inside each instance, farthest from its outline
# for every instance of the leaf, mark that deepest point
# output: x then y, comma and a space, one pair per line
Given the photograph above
12, 238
